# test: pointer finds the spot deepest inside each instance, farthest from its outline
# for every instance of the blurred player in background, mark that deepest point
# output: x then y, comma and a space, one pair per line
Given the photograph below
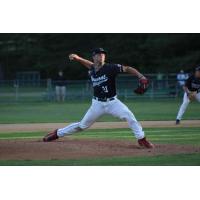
181, 78
60, 87
191, 92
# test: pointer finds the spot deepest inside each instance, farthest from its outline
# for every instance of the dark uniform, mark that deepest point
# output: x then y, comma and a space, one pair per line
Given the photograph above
60, 80
104, 80
193, 84
60, 87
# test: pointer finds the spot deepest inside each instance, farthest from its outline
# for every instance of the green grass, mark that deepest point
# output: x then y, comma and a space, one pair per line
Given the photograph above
157, 135
187, 136
74, 111
172, 160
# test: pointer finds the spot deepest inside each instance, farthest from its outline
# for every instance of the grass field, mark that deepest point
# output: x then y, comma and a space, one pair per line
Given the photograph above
55, 112
183, 136
173, 160
165, 109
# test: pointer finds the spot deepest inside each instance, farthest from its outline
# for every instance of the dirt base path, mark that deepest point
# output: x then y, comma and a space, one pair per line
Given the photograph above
33, 127
83, 148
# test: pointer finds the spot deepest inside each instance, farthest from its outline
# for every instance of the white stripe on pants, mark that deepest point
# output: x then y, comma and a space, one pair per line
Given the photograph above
115, 108
185, 104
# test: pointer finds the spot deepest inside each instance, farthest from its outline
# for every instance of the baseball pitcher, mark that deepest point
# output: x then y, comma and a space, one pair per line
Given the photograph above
191, 93
105, 100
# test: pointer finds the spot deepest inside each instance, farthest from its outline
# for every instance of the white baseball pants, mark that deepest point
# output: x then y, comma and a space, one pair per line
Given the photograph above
115, 108
185, 104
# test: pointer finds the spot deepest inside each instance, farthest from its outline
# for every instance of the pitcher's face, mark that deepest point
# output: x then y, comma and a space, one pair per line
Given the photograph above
99, 58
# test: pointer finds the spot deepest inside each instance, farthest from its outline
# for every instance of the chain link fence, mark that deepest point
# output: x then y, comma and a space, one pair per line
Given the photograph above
44, 90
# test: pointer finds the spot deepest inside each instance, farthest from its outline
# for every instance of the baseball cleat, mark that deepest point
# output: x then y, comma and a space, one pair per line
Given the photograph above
177, 121
51, 136
145, 143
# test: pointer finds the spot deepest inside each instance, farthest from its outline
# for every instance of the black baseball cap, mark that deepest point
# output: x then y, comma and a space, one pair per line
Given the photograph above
197, 68
98, 50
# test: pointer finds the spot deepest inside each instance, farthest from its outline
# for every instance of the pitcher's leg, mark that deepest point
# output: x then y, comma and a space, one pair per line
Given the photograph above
183, 107
68, 130
94, 112
120, 110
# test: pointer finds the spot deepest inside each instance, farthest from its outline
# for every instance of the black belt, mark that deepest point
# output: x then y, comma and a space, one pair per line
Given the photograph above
104, 99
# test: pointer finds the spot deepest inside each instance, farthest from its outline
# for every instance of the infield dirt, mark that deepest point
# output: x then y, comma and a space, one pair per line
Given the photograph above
33, 127
66, 148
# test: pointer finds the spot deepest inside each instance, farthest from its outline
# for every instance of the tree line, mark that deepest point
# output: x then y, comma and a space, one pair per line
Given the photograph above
47, 53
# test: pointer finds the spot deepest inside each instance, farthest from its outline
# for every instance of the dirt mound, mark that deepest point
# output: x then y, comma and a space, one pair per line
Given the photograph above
82, 148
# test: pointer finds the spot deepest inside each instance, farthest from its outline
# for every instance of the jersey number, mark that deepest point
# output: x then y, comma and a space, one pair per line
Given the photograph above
105, 89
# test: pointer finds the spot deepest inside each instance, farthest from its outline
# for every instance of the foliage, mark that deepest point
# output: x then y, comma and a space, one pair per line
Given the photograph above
47, 53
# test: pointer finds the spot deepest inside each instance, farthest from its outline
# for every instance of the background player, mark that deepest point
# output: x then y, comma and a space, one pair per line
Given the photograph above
191, 92
104, 101
60, 86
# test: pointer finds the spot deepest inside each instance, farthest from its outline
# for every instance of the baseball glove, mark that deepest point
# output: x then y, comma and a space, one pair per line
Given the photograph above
143, 85
192, 95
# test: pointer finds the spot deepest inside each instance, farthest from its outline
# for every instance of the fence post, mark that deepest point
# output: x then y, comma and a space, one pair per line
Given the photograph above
49, 88
16, 86
125, 94
152, 89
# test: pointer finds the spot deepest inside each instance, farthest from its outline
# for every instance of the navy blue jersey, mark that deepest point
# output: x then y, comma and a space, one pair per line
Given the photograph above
60, 80
193, 83
103, 81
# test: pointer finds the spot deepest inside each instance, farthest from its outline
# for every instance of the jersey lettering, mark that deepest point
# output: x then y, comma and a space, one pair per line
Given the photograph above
105, 89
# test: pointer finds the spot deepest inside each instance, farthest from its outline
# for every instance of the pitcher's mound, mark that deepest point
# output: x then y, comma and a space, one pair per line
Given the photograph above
83, 148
